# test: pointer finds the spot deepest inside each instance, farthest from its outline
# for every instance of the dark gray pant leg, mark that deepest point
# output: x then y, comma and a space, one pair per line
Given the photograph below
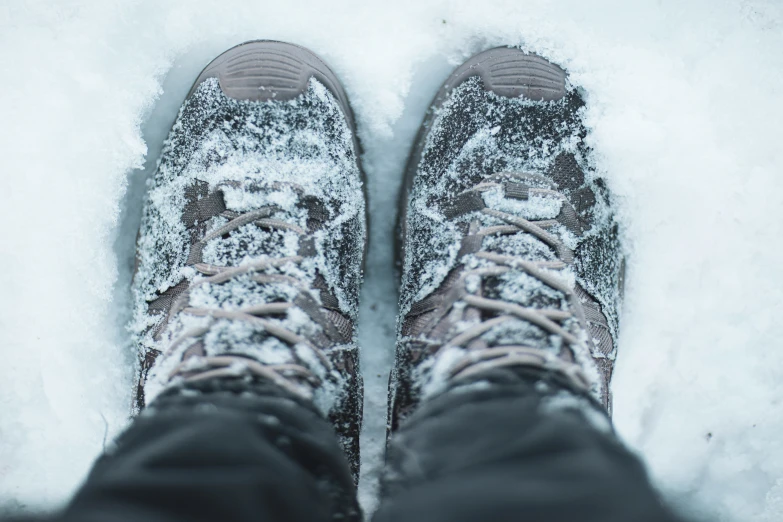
519, 449
221, 454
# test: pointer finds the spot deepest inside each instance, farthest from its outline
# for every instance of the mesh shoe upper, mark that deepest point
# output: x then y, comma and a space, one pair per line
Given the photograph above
510, 251
250, 252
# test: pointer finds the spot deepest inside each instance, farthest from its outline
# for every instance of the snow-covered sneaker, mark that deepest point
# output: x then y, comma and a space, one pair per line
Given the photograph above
509, 246
251, 248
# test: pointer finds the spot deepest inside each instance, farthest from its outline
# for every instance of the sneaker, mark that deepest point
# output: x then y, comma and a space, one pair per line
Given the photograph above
508, 243
251, 248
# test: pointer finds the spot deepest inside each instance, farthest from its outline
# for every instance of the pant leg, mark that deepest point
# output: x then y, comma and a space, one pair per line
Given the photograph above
516, 447
221, 451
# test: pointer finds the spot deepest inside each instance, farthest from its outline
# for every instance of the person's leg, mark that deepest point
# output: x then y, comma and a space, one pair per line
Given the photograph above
517, 446
509, 303
221, 450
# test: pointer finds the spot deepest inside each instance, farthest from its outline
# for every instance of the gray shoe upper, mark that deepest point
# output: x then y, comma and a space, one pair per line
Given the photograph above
510, 249
250, 253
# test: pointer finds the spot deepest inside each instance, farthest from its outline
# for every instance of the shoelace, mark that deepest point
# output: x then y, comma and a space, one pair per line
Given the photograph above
199, 367
481, 357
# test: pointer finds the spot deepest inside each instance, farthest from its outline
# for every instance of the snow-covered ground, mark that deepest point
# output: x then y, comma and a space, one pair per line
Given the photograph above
685, 106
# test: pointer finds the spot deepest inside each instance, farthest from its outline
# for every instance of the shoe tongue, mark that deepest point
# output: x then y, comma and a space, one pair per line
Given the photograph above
249, 195
255, 240
519, 288
243, 338
251, 242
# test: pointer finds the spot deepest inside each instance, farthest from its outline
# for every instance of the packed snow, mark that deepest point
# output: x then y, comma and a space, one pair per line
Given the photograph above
684, 104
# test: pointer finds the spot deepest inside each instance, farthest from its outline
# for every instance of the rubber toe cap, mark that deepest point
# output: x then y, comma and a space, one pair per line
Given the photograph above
512, 73
268, 70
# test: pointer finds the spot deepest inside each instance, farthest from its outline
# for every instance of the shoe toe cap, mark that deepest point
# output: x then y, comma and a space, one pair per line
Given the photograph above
269, 70
512, 73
